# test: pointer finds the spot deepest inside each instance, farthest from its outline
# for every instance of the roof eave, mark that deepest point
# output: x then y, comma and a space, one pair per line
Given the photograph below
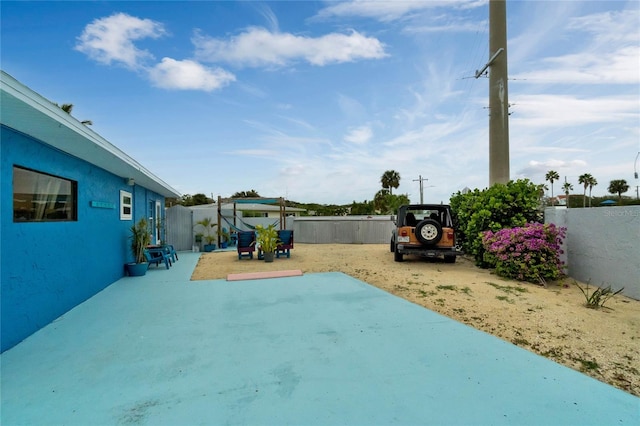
27, 112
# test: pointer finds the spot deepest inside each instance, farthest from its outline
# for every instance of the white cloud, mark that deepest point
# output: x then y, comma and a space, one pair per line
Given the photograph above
619, 66
110, 39
268, 15
611, 26
359, 135
259, 47
386, 11
541, 31
552, 164
606, 49
430, 133
518, 149
188, 75
565, 110
351, 107
454, 25
570, 168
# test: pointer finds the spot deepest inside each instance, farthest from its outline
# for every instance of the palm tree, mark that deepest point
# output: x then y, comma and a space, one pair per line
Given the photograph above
592, 182
542, 190
552, 176
68, 108
390, 179
584, 180
618, 186
567, 187
381, 202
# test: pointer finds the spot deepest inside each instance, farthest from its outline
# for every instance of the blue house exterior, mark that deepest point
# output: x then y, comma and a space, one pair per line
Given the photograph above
69, 199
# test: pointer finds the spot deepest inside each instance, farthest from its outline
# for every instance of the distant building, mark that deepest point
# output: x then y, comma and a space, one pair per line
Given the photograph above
69, 198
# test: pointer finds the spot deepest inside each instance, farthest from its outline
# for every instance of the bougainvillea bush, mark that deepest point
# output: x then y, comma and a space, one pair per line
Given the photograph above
529, 253
497, 207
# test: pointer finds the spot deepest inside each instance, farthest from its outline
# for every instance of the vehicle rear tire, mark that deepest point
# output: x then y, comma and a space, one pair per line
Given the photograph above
398, 257
392, 246
429, 231
449, 259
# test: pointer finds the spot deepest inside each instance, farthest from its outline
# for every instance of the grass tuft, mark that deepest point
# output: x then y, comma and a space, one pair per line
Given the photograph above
598, 297
508, 288
447, 287
505, 299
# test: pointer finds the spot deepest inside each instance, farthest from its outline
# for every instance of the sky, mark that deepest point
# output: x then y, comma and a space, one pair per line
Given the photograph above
313, 100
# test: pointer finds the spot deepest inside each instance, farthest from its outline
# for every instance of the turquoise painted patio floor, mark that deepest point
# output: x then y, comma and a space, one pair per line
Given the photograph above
322, 349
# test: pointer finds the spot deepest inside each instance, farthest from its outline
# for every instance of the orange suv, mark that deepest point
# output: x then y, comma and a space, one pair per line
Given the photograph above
424, 230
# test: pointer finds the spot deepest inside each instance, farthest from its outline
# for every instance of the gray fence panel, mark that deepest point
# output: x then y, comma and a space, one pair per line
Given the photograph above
179, 225
343, 230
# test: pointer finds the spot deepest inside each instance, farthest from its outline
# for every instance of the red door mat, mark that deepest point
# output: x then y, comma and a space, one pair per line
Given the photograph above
263, 275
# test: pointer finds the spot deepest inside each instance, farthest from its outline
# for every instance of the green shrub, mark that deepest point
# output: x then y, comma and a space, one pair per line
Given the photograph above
500, 206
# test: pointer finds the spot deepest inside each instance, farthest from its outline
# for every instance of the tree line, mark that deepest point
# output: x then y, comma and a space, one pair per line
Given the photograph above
383, 201
616, 187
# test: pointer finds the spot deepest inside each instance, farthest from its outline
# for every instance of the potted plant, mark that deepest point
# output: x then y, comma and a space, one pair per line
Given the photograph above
140, 238
198, 241
209, 237
224, 237
267, 241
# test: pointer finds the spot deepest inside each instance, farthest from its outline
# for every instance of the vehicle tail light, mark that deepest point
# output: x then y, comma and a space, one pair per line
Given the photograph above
450, 234
404, 233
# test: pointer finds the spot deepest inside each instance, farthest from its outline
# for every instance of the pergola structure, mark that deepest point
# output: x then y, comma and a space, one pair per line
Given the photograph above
251, 200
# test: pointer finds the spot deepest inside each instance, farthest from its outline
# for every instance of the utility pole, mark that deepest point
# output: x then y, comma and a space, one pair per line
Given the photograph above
635, 175
498, 93
420, 179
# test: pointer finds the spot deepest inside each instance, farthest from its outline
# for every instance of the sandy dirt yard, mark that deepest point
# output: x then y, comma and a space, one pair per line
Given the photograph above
551, 321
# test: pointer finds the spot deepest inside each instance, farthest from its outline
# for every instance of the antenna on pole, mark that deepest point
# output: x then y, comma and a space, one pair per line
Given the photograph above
488, 64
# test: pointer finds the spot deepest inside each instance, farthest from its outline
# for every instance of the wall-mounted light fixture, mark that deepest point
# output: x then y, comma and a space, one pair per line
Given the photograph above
129, 181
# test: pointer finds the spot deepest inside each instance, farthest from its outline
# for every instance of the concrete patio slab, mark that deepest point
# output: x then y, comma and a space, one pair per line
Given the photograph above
321, 349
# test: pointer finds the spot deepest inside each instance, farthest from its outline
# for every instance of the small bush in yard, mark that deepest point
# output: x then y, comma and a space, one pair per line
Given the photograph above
529, 253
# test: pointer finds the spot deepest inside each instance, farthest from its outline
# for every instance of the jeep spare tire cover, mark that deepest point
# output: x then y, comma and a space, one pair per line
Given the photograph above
428, 231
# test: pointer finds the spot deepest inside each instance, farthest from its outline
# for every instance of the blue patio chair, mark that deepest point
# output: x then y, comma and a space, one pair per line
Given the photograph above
246, 244
285, 236
173, 255
157, 255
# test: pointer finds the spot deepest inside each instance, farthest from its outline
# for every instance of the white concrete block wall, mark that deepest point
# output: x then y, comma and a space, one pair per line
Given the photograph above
602, 245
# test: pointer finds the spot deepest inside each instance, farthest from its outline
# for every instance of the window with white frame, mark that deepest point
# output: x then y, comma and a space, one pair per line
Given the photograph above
126, 205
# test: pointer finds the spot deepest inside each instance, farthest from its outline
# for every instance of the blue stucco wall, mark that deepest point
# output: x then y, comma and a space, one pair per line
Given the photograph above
48, 268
